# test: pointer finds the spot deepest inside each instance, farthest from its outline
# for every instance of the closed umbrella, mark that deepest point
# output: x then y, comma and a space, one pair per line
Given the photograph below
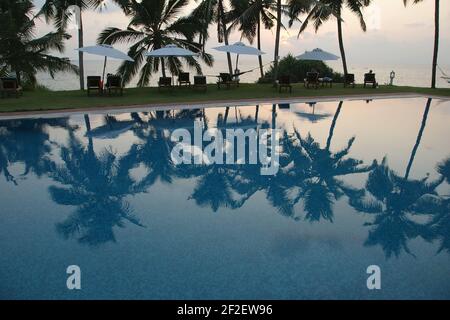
317, 55
240, 48
106, 51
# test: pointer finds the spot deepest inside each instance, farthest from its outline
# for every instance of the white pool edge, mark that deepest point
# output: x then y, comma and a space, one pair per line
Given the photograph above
206, 104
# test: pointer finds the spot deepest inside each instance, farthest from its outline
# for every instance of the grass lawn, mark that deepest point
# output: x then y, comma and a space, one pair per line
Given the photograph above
54, 100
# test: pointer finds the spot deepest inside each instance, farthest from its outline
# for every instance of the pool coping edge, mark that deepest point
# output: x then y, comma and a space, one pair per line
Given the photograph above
205, 104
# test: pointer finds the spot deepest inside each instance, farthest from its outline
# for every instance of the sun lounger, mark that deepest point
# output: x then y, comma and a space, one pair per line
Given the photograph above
10, 86
326, 82
312, 79
284, 82
349, 80
183, 79
165, 82
225, 79
94, 83
369, 78
200, 82
114, 84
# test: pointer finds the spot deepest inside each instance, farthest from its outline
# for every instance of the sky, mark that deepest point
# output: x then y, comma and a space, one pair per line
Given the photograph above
395, 34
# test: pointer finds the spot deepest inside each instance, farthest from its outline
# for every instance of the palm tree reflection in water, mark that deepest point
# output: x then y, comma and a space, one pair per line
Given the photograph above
97, 186
27, 141
396, 200
98, 183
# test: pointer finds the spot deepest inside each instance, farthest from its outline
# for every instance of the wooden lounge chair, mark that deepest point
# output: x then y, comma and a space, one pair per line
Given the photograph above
114, 83
312, 79
165, 82
225, 79
94, 83
349, 80
200, 82
285, 82
183, 79
10, 86
369, 78
326, 82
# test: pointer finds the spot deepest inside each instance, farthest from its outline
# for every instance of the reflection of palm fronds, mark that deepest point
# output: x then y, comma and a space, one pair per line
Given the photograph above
321, 167
97, 186
394, 201
444, 169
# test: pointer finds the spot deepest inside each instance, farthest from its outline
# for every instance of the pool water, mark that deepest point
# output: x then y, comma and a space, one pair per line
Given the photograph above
360, 183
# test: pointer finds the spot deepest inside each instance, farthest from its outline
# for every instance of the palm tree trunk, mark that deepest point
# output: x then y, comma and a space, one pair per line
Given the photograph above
277, 43
419, 137
333, 125
436, 43
19, 78
80, 54
163, 67
341, 44
225, 33
259, 47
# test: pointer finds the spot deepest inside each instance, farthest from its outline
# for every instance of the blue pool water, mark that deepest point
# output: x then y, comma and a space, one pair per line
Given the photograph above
360, 183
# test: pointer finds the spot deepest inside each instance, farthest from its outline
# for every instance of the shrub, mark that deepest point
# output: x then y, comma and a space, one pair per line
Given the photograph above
297, 70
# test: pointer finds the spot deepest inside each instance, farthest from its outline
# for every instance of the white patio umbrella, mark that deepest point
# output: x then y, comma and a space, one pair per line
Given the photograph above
106, 51
317, 55
171, 50
240, 48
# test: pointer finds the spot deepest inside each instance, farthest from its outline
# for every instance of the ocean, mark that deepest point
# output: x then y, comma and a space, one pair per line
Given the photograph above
408, 75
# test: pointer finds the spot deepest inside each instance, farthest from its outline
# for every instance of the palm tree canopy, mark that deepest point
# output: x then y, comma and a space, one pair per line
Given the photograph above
155, 24
323, 10
24, 54
57, 10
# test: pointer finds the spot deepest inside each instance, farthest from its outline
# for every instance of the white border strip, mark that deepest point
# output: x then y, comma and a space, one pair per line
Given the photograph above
201, 105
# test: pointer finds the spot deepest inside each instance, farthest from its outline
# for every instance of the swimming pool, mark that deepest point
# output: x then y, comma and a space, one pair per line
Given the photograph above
360, 183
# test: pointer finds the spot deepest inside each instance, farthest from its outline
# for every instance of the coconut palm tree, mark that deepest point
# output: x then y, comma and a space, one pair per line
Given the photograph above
436, 39
155, 24
277, 43
207, 13
58, 12
23, 53
249, 16
324, 10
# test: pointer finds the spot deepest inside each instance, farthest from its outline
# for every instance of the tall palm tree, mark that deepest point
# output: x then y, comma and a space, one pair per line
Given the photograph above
324, 10
207, 13
24, 54
155, 24
277, 43
436, 39
249, 15
58, 12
